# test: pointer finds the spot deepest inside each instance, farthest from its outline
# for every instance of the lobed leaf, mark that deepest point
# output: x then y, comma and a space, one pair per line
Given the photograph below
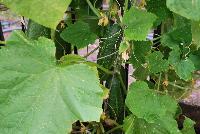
45, 12
153, 113
187, 8
184, 69
138, 23
156, 63
38, 96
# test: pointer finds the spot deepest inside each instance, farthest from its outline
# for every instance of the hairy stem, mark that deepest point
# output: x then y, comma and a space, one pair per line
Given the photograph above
93, 8
100, 67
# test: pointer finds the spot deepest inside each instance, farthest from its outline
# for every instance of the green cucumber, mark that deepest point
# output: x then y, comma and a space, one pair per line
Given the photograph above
109, 46
36, 30
116, 100
108, 58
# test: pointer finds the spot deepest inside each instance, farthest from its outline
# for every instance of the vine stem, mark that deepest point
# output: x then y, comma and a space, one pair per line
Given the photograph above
100, 67
115, 128
91, 52
93, 9
122, 83
157, 38
173, 84
158, 88
126, 5
108, 55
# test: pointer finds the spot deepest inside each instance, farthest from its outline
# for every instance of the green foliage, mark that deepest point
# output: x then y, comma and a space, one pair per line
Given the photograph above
187, 8
84, 13
62, 47
46, 12
43, 91
134, 125
180, 21
140, 50
138, 24
141, 73
38, 96
188, 126
184, 69
156, 63
158, 118
175, 38
159, 8
196, 33
36, 30
194, 57
79, 34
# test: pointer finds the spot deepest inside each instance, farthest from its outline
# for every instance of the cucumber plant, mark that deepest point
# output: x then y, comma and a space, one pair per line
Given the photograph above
46, 89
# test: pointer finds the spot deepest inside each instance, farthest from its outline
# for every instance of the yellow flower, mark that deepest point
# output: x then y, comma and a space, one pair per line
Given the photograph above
142, 4
103, 21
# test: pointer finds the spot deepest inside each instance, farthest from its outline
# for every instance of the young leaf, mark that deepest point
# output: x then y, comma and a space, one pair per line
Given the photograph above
162, 111
188, 126
45, 12
187, 8
180, 21
79, 34
37, 96
138, 23
174, 56
156, 63
184, 69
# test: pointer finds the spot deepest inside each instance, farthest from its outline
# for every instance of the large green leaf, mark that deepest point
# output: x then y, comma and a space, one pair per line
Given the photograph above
38, 96
187, 8
183, 68
138, 23
153, 108
79, 34
156, 63
44, 12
